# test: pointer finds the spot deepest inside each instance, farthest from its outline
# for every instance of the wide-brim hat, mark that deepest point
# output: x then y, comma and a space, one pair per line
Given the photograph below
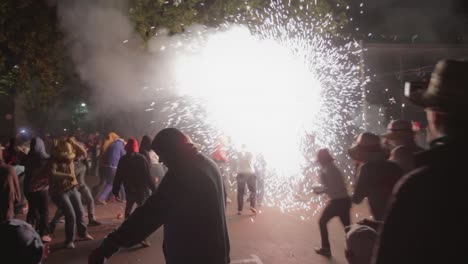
399, 129
447, 90
367, 147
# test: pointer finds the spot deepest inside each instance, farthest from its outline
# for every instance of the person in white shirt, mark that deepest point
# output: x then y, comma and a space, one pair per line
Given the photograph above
340, 202
246, 175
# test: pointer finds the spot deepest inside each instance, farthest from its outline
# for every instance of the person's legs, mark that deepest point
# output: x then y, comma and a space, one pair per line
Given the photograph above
241, 180
43, 208
75, 199
328, 213
252, 184
260, 190
88, 201
64, 204
344, 212
97, 189
55, 220
109, 178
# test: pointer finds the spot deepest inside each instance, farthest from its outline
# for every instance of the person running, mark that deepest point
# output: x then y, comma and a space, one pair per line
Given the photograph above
189, 203
246, 175
339, 204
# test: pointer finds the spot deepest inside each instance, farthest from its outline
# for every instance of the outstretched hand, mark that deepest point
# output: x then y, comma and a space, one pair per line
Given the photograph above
96, 257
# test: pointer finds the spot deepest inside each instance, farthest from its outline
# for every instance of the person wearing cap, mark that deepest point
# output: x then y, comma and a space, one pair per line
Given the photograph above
426, 221
21, 244
376, 176
63, 190
189, 203
360, 242
339, 204
401, 139
9, 190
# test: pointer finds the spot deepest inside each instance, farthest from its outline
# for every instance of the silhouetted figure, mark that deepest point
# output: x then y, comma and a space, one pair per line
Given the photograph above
339, 204
37, 193
360, 243
246, 175
21, 244
189, 202
133, 172
376, 175
426, 222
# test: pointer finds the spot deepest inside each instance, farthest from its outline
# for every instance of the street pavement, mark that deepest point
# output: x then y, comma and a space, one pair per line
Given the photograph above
270, 237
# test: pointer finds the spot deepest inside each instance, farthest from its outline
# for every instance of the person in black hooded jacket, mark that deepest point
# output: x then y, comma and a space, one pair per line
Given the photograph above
189, 202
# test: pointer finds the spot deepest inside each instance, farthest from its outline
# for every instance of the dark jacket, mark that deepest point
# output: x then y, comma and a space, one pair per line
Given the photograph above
133, 171
426, 221
376, 180
113, 153
189, 202
36, 159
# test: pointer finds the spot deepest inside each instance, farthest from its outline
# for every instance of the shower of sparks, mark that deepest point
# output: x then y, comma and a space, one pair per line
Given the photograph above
283, 88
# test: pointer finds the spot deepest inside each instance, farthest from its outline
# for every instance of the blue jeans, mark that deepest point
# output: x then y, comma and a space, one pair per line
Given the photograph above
70, 205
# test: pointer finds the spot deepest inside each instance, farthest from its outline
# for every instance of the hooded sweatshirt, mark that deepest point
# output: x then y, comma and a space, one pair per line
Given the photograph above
133, 171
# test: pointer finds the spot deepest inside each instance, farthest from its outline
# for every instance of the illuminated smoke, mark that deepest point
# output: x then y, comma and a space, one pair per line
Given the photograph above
281, 88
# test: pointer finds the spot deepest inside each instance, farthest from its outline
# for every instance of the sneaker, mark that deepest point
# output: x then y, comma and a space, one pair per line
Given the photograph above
46, 239
70, 245
254, 211
87, 237
94, 223
100, 202
239, 212
323, 251
228, 200
145, 243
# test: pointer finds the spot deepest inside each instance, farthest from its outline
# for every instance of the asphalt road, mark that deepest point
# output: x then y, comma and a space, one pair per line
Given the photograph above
270, 237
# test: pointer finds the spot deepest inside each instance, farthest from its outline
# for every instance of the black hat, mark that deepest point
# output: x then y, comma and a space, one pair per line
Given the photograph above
448, 88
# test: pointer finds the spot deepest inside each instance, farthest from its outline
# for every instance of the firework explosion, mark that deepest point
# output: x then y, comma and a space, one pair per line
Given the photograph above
280, 87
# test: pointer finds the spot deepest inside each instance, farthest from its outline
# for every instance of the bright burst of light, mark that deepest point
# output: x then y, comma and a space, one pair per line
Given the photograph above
282, 88
254, 91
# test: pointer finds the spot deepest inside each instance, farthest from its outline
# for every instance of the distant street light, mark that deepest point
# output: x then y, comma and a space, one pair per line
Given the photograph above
83, 104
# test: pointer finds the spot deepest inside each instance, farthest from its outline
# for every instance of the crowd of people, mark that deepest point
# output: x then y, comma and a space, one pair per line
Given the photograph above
415, 196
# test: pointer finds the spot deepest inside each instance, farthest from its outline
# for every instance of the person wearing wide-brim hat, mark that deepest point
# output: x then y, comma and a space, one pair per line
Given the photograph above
400, 135
433, 196
339, 204
64, 192
376, 176
367, 148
